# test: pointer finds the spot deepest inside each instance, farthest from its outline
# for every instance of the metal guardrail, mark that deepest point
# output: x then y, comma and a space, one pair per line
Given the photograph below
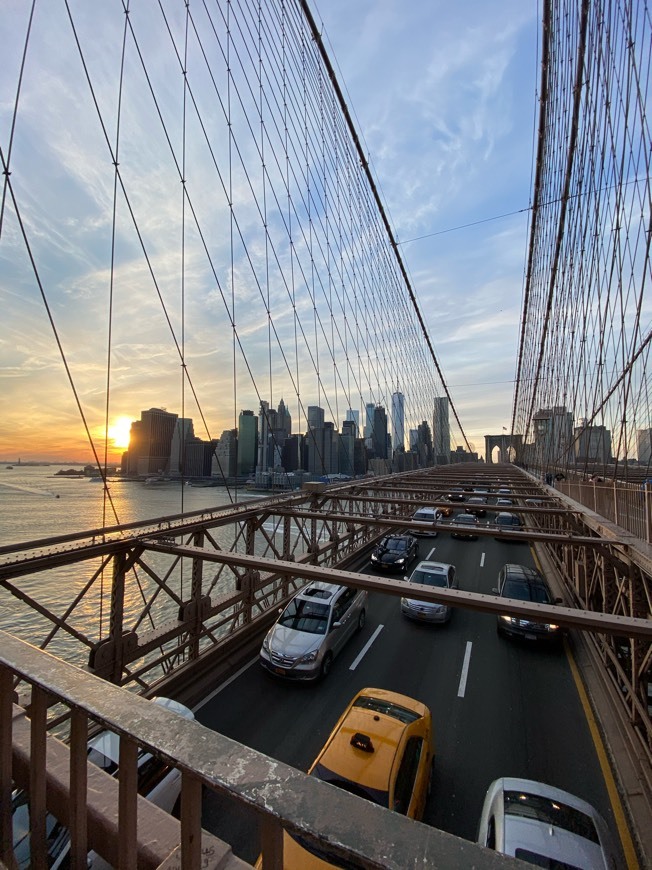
350, 829
628, 505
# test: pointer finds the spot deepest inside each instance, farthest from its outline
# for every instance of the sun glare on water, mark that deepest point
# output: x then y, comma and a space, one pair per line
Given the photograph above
119, 432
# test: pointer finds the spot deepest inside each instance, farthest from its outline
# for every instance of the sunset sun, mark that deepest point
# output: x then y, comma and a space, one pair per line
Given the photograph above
119, 432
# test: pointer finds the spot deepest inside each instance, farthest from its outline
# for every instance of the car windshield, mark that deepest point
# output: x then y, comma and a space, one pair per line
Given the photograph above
526, 591
395, 545
550, 812
430, 578
302, 615
388, 708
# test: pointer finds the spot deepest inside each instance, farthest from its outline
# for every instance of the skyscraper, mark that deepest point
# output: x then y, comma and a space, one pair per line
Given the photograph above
318, 441
644, 445
398, 421
263, 436
315, 417
355, 417
284, 419
247, 442
553, 436
150, 442
347, 447
592, 444
441, 433
369, 408
184, 433
224, 462
379, 433
424, 445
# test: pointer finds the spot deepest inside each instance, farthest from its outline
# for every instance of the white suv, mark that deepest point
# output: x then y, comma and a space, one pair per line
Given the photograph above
426, 515
312, 629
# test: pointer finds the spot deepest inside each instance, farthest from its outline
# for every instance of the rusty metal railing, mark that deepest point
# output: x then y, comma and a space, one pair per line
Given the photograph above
60, 781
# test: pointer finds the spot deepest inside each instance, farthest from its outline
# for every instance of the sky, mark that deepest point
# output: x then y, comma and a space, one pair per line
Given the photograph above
444, 100
445, 96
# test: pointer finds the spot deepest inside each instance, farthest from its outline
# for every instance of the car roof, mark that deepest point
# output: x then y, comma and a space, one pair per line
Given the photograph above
468, 518
370, 769
319, 590
504, 514
523, 572
432, 566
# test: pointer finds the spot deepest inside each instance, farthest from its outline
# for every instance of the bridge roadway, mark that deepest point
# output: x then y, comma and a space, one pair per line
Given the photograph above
517, 714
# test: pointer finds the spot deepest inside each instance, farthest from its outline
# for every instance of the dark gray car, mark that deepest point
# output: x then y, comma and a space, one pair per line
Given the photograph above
525, 584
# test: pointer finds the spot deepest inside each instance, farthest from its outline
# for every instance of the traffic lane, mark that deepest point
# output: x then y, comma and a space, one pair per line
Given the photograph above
291, 721
531, 719
526, 692
485, 732
285, 720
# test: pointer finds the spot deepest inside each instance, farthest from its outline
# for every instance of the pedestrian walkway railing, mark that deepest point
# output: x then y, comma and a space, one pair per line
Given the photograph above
628, 505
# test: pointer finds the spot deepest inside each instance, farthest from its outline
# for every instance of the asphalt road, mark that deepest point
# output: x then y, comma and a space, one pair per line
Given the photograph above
514, 712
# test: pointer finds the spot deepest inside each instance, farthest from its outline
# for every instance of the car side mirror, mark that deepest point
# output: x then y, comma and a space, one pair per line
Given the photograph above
495, 590
336, 624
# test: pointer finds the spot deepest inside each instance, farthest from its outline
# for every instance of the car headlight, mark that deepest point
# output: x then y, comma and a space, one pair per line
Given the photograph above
374, 557
506, 618
309, 657
400, 561
266, 644
552, 627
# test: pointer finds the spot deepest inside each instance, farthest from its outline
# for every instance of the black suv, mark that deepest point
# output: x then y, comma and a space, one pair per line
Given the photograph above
526, 584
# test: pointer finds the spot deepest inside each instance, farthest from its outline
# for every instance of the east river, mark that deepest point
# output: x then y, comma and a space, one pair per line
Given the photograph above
37, 504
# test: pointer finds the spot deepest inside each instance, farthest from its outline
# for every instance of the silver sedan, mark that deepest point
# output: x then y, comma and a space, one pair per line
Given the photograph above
438, 574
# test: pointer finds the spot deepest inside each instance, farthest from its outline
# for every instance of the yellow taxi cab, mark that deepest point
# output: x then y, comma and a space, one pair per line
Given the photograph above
381, 749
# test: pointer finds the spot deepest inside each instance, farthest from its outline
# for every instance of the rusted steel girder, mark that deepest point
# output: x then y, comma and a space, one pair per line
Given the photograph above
603, 623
